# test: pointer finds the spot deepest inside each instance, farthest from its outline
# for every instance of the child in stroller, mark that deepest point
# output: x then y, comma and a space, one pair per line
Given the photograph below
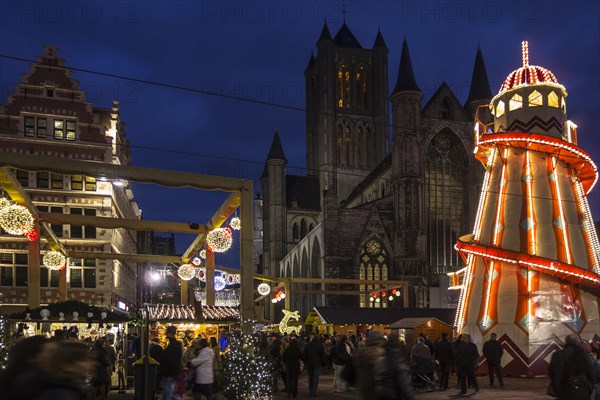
423, 374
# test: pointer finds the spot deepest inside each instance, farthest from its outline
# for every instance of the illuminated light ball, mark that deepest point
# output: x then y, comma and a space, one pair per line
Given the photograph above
196, 261
235, 223
371, 299
230, 279
219, 283
273, 300
374, 295
391, 298
398, 293
393, 291
201, 274
219, 240
31, 235
186, 271
282, 295
378, 300
16, 219
382, 294
264, 289
4, 202
203, 254
54, 260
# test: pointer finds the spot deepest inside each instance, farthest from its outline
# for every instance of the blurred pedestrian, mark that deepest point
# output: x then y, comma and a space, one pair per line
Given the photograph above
291, 358
572, 374
314, 361
20, 379
203, 364
492, 350
340, 356
366, 361
100, 376
171, 364
392, 379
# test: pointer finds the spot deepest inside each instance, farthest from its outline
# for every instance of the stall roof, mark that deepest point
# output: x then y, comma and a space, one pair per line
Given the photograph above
411, 323
380, 316
189, 313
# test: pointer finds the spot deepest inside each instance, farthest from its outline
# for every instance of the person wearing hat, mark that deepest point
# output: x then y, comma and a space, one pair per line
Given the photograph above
171, 364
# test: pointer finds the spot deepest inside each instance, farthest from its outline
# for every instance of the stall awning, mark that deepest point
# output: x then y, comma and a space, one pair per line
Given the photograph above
411, 323
189, 313
380, 316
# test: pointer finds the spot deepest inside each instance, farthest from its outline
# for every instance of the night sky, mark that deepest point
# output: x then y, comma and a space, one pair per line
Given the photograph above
259, 50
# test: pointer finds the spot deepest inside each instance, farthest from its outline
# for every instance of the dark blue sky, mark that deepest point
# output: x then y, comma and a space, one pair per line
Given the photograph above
259, 50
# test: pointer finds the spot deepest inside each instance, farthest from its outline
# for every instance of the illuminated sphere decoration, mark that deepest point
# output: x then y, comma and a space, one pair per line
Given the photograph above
235, 223
54, 260
187, 272
4, 202
219, 240
219, 283
203, 254
16, 219
32, 235
196, 261
264, 289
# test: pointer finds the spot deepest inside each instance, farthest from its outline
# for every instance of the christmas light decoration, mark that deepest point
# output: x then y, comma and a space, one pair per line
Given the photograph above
219, 283
4, 202
235, 223
264, 289
201, 274
247, 372
196, 261
32, 235
219, 240
16, 219
54, 260
186, 272
203, 254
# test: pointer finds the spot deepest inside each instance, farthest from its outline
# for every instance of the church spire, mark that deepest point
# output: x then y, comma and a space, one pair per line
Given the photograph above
325, 35
406, 77
346, 38
379, 42
480, 86
311, 61
276, 151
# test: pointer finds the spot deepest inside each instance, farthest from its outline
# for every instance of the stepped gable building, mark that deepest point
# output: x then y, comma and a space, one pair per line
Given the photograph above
385, 196
49, 115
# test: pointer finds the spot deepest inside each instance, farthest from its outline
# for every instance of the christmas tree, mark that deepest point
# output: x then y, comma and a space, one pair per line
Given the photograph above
248, 374
4, 341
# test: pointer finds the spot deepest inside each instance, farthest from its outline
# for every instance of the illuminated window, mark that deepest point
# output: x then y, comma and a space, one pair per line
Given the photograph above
373, 265
343, 86
64, 129
81, 182
563, 105
535, 99
361, 88
446, 201
515, 102
500, 109
553, 99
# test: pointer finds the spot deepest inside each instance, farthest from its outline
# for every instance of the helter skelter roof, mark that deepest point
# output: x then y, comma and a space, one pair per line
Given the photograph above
529, 74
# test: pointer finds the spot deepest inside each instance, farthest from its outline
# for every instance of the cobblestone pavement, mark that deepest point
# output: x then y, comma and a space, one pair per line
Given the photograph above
514, 388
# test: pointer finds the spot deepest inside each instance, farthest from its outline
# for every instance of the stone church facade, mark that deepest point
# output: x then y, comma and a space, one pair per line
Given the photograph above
384, 197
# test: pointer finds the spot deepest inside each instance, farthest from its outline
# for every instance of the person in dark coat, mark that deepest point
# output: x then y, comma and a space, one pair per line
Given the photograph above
171, 364
444, 354
291, 361
467, 357
100, 377
492, 350
314, 360
392, 379
572, 374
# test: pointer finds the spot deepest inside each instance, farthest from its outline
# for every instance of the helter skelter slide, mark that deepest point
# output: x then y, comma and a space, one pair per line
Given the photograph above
533, 260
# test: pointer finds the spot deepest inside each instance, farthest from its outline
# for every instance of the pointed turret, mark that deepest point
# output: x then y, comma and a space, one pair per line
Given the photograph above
311, 61
345, 38
325, 35
480, 87
406, 78
379, 42
276, 151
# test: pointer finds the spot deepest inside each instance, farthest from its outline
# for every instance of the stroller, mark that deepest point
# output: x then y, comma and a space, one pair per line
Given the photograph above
423, 374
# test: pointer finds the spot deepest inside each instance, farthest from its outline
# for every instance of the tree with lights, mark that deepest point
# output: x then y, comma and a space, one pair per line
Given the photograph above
4, 342
247, 372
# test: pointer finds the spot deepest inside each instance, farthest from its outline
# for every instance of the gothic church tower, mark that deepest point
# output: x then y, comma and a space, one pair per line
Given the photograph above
347, 130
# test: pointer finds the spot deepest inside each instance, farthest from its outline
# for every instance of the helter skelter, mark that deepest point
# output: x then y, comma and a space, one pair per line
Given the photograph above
533, 260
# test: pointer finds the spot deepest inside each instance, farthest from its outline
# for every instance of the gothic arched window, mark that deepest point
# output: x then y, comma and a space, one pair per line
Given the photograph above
343, 86
368, 147
373, 264
348, 145
446, 197
303, 229
295, 232
339, 144
359, 146
361, 89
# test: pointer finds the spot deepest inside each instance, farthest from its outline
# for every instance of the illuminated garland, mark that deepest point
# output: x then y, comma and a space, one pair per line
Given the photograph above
4, 202
203, 254
235, 223
219, 240
54, 260
16, 219
219, 283
186, 272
